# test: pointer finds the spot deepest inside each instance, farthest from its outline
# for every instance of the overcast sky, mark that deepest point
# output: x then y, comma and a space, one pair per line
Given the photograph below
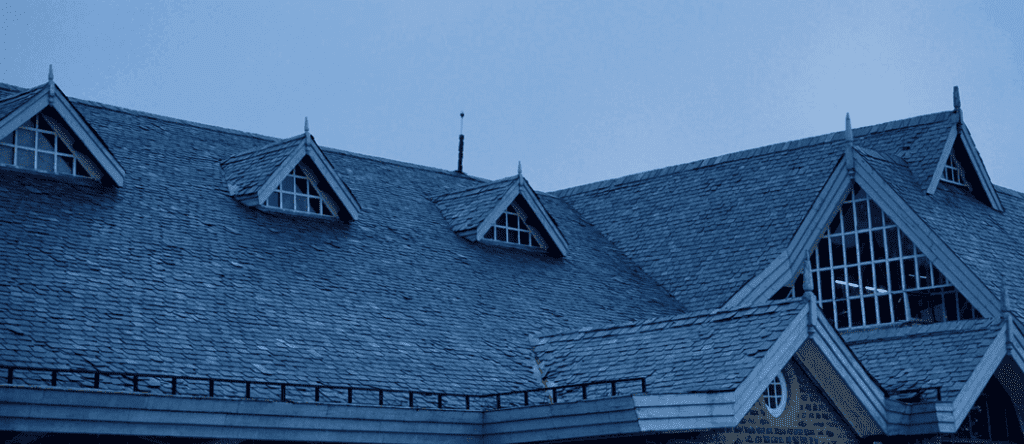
577, 91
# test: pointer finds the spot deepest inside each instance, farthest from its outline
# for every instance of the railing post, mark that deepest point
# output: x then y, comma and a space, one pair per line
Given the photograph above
282, 391
211, 387
613, 388
96, 381
382, 397
584, 391
467, 402
247, 388
53, 378
350, 395
174, 386
526, 398
317, 398
554, 395
499, 401
410, 399
643, 385
135, 383
439, 405
10, 375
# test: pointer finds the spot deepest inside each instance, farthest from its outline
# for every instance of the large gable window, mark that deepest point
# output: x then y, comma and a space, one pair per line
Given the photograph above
953, 172
866, 272
511, 227
299, 192
43, 144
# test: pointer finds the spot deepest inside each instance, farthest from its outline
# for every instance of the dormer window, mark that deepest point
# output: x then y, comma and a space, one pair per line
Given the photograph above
953, 172
512, 228
43, 144
299, 192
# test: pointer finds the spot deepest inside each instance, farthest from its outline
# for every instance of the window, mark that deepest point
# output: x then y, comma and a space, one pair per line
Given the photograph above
299, 192
866, 271
42, 144
775, 396
511, 228
953, 172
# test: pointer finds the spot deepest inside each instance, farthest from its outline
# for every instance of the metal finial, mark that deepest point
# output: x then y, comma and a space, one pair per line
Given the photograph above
520, 169
462, 118
51, 73
808, 286
849, 129
956, 98
307, 126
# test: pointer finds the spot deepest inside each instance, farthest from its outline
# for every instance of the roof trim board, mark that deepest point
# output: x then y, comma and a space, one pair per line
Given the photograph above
55, 98
972, 388
947, 149
790, 261
522, 188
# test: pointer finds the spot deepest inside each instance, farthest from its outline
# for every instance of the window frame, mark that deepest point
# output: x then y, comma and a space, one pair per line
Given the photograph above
81, 167
302, 172
513, 210
780, 397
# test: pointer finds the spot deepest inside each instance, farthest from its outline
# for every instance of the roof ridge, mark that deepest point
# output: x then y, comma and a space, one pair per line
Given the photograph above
755, 152
707, 315
1009, 191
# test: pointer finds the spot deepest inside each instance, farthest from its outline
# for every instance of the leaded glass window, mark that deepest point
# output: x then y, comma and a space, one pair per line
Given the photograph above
43, 144
866, 271
299, 191
953, 171
511, 227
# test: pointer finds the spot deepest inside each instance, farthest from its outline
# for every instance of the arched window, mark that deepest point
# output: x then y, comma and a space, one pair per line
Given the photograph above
775, 397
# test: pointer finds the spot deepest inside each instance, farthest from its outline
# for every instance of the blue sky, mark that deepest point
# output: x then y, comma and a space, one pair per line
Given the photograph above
577, 91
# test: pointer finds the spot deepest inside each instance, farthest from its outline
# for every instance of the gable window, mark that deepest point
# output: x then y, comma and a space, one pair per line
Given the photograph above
775, 396
42, 144
511, 227
866, 271
299, 192
953, 172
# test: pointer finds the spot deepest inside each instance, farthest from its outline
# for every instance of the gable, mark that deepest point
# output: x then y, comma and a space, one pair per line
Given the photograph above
505, 213
292, 175
40, 130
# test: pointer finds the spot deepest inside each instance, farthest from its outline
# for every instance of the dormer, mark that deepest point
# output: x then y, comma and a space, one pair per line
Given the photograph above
290, 176
960, 163
41, 131
505, 213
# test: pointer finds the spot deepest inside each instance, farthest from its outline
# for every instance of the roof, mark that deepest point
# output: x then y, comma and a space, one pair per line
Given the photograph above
171, 275
924, 357
249, 170
696, 352
466, 209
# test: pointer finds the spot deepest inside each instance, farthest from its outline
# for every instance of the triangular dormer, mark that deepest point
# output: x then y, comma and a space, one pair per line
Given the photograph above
960, 164
40, 130
506, 213
866, 271
291, 176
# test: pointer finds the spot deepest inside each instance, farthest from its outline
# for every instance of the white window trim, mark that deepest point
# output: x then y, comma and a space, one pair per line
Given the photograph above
780, 397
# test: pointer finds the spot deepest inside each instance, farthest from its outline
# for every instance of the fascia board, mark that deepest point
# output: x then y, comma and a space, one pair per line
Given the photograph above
946, 150
92, 141
504, 202
979, 166
331, 176
937, 251
689, 411
279, 174
851, 374
545, 219
781, 352
31, 107
979, 378
792, 259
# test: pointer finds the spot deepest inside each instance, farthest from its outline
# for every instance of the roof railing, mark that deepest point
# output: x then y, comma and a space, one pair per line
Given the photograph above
298, 392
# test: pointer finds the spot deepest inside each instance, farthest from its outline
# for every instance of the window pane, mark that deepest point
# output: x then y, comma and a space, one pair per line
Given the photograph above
910, 272
856, 311
43, 125
275, 199
513, 236
45, 162
501, 220
501, 235
30, 123
80, 170
288, 184
301, 203
8, 139
847, 217
869, 311
899, 308
288, 201
46, 142
864, 243
862, 215
842, 316
884, 311
26, 138
924, 271
26, 158
489, 234
6, 155
65, 165
524, 238
876, 215
314, 205
300, 185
